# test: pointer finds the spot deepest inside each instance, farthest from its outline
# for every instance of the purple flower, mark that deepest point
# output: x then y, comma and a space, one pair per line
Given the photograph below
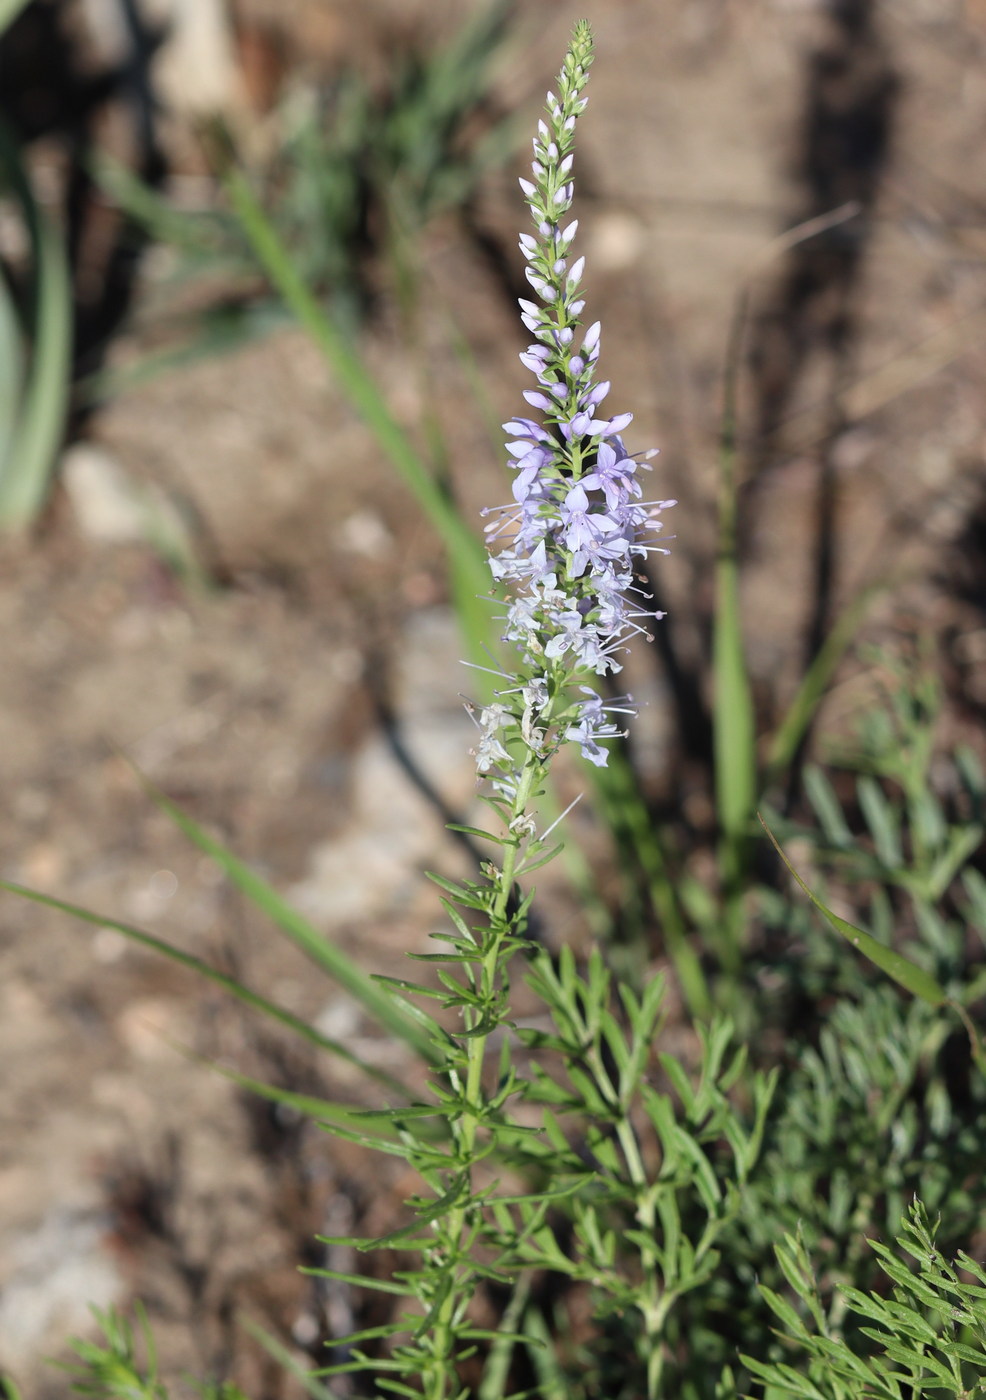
564, 549
592, 724
614, 474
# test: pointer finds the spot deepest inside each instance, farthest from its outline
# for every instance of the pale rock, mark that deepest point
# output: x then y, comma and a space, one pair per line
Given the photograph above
375, 864
195, 71
616, 242
105, 503
57, 1273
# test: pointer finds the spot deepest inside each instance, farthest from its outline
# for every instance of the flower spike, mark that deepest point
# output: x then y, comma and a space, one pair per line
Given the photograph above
565, 550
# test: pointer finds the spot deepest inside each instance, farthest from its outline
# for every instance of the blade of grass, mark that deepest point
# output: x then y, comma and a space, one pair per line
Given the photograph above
496, 1371
326, 956
286, 1359
734, 725
467, 558
907, 974
147, 207
44, 402
734, 732
9, 10
215, 332
630, 822
552, 1382
734, 739
804, 706
211, 974
320, 1110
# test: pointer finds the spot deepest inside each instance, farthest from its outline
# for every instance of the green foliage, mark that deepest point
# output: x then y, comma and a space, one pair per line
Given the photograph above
468, 569
9, 10
915, 844
914, 862
882, 1107
659, 1175
359, 170
610, 1196
394, 159
110, 1368
911, 978
35, 350
927, 1337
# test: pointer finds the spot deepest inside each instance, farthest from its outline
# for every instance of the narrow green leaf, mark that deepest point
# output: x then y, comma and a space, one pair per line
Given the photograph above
826, 807
494, 1382
401, 984
458, 892
882, 820
211, 974
552, 1381
467, 557
145, 206
330, 959
784, 1311
732, 711
679, 1080
285, 1359
423, 1216
323, 1111
804, 706
378, 1144
476, 831
378, 1285
537, 861
963, 842
911, 977
31, 453
457, 919
9, 10
734, 736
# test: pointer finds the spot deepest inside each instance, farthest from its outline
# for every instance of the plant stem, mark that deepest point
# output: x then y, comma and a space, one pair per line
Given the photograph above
467, 1126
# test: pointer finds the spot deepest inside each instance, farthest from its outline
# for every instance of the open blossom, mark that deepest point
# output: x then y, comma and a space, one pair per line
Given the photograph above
568, 549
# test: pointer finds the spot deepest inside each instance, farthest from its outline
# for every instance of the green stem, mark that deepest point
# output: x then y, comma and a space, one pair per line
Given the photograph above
732, 707
468, 1125
654, 1307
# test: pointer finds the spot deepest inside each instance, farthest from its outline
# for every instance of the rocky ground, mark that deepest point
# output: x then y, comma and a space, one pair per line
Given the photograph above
261, 689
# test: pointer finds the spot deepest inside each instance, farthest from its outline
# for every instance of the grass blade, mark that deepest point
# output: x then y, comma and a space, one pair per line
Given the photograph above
327, 957
286, 1359
325, 1112
733, 724
733, 717
907, 974
32, 452
467, 558
802, 709
151, 210
9, 10
211, 974
496, 1371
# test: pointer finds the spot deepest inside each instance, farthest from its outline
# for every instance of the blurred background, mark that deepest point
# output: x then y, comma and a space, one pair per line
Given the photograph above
210, 567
